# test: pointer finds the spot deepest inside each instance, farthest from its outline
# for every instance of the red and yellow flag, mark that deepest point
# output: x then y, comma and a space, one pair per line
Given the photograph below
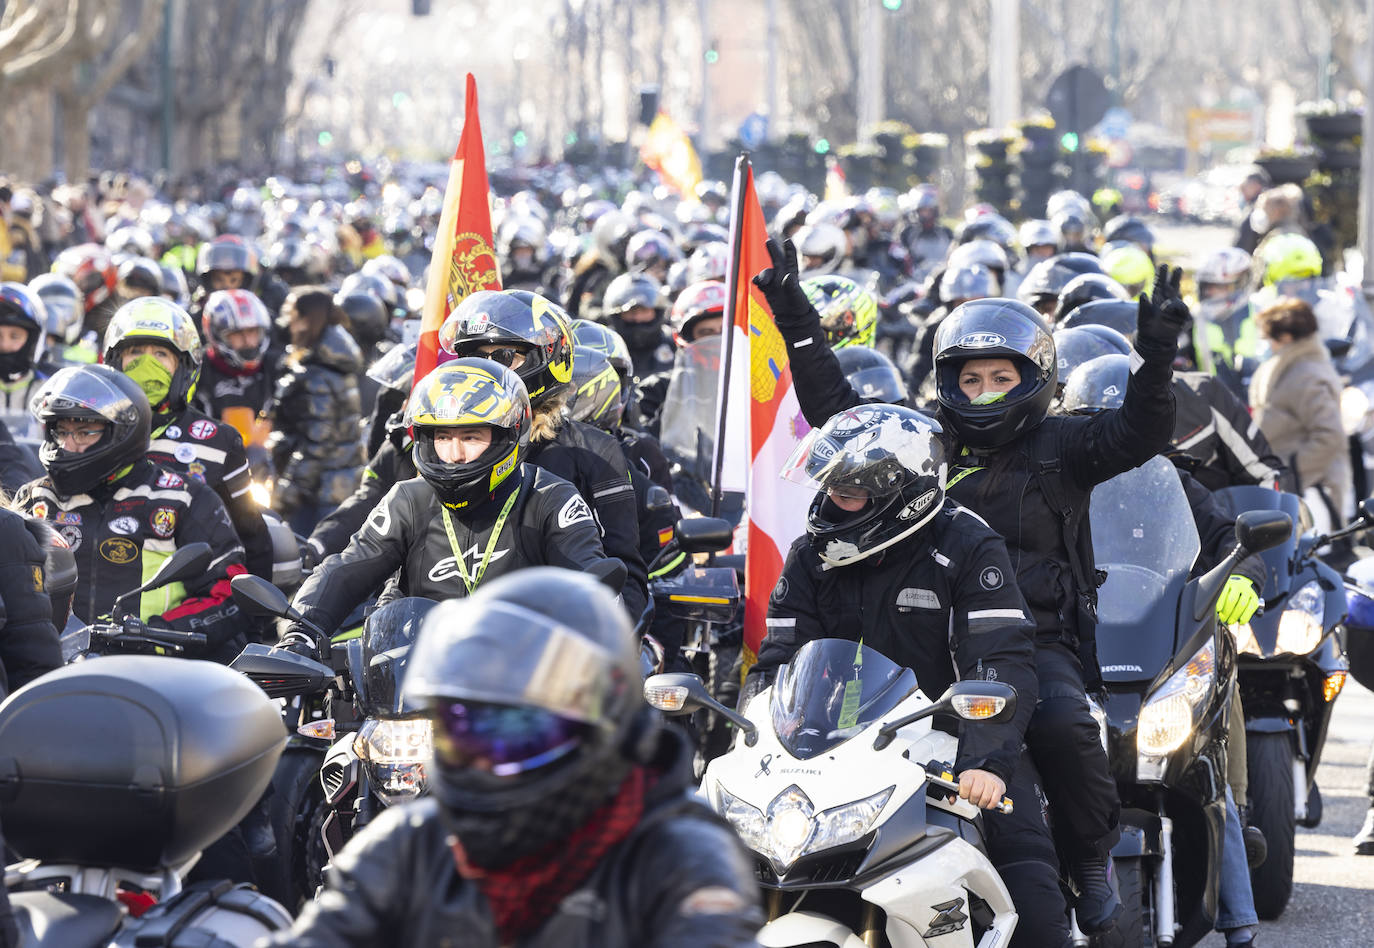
464, 261
669, 151
758, 398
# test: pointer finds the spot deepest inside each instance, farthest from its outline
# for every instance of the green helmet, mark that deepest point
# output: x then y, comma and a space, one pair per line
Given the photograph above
849, 313
1131, 267
1289, 257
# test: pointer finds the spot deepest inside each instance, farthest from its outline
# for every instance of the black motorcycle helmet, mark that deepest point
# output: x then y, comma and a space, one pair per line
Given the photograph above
1085, 288
1120, 315
1131, 230
1078, 344
595, 396
872, 375
631, 291
991, 329
892, 455
1047, 279
92, 393
290, 260
22, 307
468, 393
367, 316
529, 323
532, 686
1097, 385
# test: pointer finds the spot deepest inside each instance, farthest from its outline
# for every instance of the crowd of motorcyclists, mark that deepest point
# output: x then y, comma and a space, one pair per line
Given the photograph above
237, 368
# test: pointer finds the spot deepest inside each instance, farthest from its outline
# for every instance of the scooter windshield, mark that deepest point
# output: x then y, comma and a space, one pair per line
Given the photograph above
830, 691
1145, 538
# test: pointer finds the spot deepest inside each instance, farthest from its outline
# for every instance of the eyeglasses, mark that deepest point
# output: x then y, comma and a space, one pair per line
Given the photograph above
502, 740
81, 437
508, 356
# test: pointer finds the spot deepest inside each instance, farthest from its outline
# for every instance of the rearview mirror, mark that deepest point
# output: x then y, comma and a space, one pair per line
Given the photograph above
1260, 530
704, 534
657, 498
678, 693
1366, 510
186, 562
257, 597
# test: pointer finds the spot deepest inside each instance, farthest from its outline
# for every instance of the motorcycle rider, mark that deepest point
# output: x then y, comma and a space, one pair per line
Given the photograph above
634, 308
556, 816
22, 323
1029, 477
697, 313
445, 531
927, 240
154, 342
62, 304
885, 560
239, 368
123, 515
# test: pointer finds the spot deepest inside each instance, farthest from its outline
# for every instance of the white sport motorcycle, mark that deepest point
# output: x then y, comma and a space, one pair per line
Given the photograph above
838, 783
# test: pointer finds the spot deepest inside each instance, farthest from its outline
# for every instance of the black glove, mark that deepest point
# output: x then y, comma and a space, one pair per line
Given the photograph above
1162, 318
300, 641
781, 286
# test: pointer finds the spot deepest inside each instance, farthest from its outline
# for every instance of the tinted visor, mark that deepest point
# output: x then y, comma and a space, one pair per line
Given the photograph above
502, 740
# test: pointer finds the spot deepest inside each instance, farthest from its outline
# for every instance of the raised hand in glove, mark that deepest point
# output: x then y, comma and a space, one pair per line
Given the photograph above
1162, 317
1238, 601
781, 286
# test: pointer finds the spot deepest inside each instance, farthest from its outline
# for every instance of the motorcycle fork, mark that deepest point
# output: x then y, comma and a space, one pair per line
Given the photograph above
1164, 883
774, 904
870, 927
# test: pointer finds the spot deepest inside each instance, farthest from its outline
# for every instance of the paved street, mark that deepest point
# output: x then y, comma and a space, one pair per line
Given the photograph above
1333, 901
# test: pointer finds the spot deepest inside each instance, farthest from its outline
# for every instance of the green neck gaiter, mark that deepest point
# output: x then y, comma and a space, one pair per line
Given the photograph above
152, 376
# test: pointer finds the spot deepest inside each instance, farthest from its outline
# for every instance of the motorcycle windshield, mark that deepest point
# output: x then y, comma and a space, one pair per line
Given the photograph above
687, 430
830, 691
388, 635
1145, 538
1278, 560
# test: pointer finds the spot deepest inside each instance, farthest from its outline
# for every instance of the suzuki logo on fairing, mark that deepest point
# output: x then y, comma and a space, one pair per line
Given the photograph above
948, 918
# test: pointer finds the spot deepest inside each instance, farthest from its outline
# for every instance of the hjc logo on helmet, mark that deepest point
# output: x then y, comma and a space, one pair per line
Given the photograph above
981, 340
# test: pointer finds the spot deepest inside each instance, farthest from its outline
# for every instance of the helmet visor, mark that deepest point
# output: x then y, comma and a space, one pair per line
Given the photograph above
72, 393
502, 740
838, 459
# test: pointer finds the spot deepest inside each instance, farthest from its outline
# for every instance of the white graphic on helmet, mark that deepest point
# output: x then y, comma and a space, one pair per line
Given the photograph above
981, 340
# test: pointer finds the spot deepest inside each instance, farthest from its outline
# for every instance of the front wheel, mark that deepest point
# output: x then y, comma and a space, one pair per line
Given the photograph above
1271, 809
1132, 929
296, 796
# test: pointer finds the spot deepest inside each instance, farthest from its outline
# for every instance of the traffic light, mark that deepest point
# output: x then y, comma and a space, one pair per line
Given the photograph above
893, 5
822, 146
712, 56
325, 139
519, 139
1069, 141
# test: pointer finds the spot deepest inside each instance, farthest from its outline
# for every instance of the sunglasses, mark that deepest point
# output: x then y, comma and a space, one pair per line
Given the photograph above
502, 740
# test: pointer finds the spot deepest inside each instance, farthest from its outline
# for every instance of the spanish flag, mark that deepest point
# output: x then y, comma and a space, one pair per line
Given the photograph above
669, 151
463, 261
758, 399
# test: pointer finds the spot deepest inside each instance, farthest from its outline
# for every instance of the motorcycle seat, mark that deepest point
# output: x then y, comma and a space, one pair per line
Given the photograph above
49, 920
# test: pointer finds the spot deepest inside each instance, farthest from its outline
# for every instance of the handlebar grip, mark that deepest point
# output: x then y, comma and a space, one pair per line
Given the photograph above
947, 781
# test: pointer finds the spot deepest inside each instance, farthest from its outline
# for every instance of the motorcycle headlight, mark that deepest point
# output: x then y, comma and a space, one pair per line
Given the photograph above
394, 755
1300, 626
792, 827
1170, 713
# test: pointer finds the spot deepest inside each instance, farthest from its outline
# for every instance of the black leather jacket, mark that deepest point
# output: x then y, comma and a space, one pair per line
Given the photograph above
681, 878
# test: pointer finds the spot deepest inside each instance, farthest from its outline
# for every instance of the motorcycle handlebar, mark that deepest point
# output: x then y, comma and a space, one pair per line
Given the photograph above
947, 781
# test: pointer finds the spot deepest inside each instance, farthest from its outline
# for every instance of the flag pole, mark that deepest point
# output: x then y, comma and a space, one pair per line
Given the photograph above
728, 322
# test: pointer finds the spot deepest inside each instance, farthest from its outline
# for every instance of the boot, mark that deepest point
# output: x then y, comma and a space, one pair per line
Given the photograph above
1099, 900
1364, 839
1256, 846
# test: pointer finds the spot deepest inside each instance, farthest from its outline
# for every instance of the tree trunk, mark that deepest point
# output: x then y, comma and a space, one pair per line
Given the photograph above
74, 111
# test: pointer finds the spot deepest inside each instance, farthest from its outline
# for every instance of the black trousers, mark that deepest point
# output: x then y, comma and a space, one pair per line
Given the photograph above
1066, 746
1020, 846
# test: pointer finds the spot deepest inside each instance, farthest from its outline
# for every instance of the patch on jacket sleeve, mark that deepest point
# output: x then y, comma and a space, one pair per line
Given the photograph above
574, 511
